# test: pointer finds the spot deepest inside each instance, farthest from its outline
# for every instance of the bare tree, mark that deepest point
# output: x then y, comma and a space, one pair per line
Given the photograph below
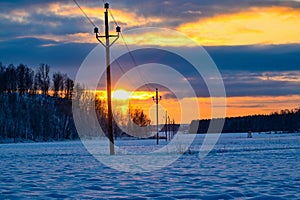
2, 78
43, 78
58, 83
11, 79
29, 79
69, 85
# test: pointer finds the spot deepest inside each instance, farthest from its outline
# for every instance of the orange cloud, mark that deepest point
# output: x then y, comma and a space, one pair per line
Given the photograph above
257, 25
158, 37
19, 16
291, 76
122, 16
264, 25
129, 18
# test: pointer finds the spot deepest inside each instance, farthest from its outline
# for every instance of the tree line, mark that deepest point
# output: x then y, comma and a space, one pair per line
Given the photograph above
284, 121
37, 106
25, 80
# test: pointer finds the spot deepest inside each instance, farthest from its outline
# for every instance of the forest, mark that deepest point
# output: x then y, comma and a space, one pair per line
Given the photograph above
36, 105
285, 121
28, 111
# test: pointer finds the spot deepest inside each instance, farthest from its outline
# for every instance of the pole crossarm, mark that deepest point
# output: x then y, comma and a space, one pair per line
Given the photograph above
98, 37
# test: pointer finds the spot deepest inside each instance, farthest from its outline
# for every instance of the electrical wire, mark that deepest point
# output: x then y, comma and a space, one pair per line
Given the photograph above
118, 64
122, 70
85, 13
111, 15
146, 82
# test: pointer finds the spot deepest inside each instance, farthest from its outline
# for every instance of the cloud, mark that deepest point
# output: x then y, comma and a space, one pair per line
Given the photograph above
57, 33
256, 58
63, 21
245, 83
64, 57
291, 76
246, 71
208, 22
193, 12
248, 105
256, 25
68, 38
17, 16
155, 37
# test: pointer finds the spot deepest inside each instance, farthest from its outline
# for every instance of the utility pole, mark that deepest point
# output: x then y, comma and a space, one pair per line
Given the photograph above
156, 99
107, 46
169, 128
166, 126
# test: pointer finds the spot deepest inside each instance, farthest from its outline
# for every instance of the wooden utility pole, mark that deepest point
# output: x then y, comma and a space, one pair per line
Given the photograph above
156, 99
107, 46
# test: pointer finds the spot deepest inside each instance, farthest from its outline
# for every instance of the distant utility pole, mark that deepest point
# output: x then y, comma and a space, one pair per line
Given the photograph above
156, 99
107, 46
166, 126
169, 127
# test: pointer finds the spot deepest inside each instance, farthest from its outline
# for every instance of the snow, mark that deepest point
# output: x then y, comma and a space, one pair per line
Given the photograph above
263, 167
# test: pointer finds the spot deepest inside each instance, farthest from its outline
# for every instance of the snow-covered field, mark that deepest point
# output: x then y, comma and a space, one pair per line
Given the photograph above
266, 166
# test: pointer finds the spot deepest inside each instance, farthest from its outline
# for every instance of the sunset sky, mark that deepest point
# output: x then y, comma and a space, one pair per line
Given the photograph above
254, 43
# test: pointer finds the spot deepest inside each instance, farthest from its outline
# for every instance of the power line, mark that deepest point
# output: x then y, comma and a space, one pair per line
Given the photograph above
118, 64
146, 82
84, 13
122, 70
111, 15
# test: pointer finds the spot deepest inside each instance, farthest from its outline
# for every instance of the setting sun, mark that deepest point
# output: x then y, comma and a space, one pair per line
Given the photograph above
121, 94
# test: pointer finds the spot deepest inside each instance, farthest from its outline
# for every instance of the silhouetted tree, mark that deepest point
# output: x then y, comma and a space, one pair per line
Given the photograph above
140, 118
29, 80
36, 86
2, 79
21, 78
58, 83
11, 78
69, 85
43, 78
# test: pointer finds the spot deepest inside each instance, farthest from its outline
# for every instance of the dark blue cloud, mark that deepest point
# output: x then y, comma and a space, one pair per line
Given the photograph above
246, 83
30, 51
241, 67
257, 58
